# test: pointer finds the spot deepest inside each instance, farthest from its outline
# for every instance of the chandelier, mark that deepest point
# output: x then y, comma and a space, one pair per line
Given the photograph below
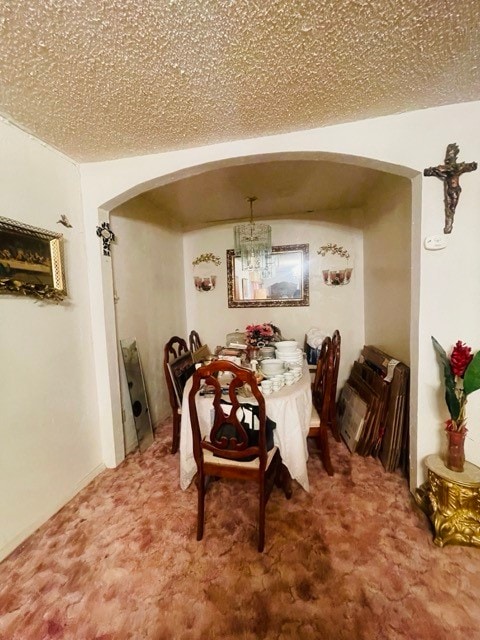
253, 244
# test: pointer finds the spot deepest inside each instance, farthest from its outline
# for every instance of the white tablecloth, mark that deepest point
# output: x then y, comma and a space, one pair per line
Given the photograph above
290, 408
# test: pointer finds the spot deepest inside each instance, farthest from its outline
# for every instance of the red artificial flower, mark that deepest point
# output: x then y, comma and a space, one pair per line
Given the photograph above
256, 333
460, 359
266, 330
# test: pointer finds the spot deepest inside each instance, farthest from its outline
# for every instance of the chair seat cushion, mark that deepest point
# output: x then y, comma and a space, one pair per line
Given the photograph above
224, 462
314, 425
314, 418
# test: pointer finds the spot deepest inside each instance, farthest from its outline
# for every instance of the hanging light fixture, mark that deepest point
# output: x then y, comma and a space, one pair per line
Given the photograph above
253, 244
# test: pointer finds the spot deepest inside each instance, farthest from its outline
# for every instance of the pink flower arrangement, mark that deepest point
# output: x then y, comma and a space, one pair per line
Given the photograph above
259, 334
462, 377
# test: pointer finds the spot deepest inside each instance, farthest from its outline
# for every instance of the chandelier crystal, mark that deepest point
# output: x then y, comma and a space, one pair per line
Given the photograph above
253, 244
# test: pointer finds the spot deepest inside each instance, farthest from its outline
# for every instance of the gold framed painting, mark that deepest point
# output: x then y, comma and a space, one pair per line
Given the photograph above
31, 261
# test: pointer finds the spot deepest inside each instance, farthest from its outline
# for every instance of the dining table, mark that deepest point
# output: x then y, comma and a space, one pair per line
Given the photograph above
290, 408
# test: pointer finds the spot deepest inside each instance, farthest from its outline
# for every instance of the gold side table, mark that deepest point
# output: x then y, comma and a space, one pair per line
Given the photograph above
452, 501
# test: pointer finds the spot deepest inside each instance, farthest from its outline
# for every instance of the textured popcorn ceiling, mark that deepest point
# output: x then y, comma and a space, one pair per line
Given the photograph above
103, 79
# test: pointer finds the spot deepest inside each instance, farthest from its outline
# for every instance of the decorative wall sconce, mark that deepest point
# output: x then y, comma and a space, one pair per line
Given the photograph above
333, 276
203, 266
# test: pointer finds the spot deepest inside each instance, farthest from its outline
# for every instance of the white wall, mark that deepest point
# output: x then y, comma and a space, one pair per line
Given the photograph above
330, 307
150, 298
445, 296
449, 306
48, 404
387, 260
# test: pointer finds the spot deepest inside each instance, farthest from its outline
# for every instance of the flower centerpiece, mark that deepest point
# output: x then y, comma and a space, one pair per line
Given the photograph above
461, 372
258, 335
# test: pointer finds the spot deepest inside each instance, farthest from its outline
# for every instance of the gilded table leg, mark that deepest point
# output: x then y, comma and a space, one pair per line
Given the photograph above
454, 510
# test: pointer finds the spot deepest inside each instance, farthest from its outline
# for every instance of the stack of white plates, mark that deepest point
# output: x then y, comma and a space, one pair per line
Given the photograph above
288, 351
292, 358
286, 346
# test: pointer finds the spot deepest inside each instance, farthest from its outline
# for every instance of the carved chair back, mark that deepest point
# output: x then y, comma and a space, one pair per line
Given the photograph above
227, 452
322, 384
174, 348
194, 341
336, 348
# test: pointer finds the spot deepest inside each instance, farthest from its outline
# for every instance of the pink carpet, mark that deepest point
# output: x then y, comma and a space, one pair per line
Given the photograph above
352, 560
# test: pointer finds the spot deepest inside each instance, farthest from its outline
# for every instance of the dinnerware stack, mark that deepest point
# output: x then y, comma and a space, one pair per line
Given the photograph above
277, 383
288, 351
267, 387
266, 352
271, 367
296, 370
286, 345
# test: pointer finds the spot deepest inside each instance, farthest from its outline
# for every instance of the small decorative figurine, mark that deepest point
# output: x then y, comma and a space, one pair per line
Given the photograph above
450, 173
64, 220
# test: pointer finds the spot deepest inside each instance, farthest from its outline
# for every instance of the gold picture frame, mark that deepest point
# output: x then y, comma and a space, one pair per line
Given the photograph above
31, 261
288, 287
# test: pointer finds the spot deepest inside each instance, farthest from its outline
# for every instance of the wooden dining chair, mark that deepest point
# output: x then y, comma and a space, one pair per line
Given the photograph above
321, 397
332, 405
227, 450
172, 350
194, 341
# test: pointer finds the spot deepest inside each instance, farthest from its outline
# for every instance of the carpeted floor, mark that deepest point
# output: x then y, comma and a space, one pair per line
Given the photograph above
352, 560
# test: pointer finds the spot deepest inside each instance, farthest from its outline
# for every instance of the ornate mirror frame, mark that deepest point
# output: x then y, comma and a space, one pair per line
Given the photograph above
292, 261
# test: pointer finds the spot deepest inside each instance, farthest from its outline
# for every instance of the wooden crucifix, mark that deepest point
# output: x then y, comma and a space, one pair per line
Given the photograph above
450, 173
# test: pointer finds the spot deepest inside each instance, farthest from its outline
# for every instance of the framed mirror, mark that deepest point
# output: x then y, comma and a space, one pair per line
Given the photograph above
286, 287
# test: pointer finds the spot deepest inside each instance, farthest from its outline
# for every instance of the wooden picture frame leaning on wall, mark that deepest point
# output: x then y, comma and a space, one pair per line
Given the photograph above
31, 261
181, 369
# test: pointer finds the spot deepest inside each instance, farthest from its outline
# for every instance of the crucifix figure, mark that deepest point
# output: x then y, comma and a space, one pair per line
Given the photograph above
450, 173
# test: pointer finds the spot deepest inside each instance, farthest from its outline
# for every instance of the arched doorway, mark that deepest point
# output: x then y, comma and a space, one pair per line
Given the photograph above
208, 169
